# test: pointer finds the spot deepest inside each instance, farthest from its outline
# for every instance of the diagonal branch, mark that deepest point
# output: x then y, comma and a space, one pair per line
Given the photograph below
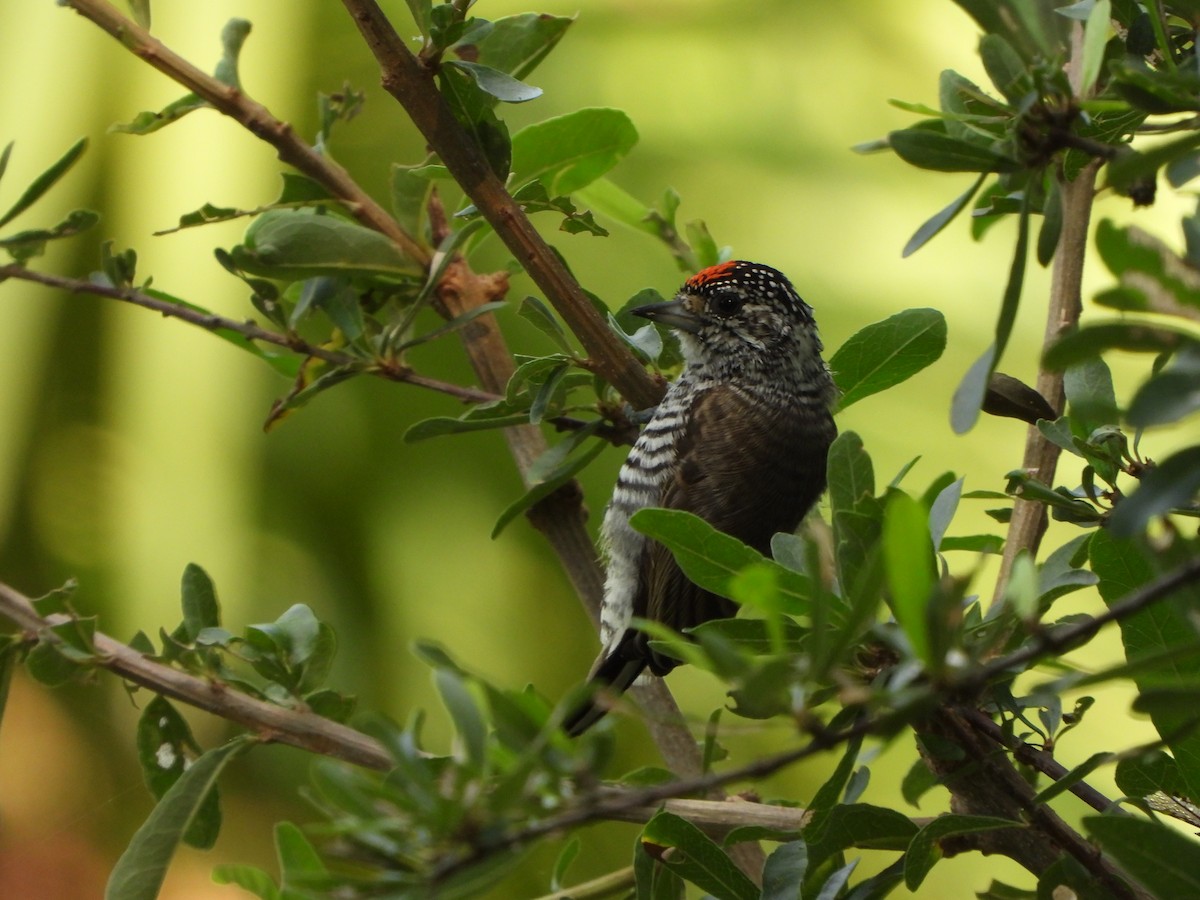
411, 83
300, 728
389, 370
1047, 642
255, 117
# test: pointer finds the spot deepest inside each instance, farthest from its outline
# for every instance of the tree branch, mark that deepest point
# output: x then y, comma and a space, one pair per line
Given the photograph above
618, 803
1029, 518
298, 728
1033, 757
388, 370
1046, 642
255, 117
411, 83
984, 782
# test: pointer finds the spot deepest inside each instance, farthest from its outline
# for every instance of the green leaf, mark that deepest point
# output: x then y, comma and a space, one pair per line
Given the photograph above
696, 858
863, 826
410, 194
553, 481
968, 396
1174, 482
43, 182
571, 151
200, 607
10, 655
1130, 167
25, 245
464, 711
784, 871
653, 881
886, 353
296, 244
248, 878
1161, 858
1003, 64
1130, 252
909, 561
1095, 37
455, 324
299, 863
441, 425
857, 515
496, 83
614, 203
1148, 773
710, 559
148, 122
420, 10
1092, 340
1072, 778
928, 149
1171, 395
925, 849
285, 364
533, 198
233, 36
567, 856
830, 793
48, 665
1089, 388
538, 314
166, 749
513, 44
1122, 567
297, 191
1016, 279
4, 156
140, 10
472, 107
1052, 221
306, 389
939, 220
139, 872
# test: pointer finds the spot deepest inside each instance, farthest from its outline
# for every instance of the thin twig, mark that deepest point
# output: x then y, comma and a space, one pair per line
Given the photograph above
256, 118
299, 728
613, 804
390, 371
1032, 756
984, 782
1046, 642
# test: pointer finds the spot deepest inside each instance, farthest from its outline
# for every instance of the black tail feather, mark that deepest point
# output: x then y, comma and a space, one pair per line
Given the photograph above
611, 676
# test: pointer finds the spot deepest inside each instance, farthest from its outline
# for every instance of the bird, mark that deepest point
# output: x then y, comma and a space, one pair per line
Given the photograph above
740, 439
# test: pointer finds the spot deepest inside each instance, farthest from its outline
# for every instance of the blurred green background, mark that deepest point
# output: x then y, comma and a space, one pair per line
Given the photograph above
130, 445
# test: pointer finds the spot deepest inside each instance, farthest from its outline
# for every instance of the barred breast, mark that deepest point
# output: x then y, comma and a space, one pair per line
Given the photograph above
649, 466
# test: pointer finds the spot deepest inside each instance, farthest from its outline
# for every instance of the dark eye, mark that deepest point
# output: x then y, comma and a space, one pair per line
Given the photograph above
725, 304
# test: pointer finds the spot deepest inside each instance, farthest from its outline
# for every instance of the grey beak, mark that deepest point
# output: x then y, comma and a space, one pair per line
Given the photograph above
673, 313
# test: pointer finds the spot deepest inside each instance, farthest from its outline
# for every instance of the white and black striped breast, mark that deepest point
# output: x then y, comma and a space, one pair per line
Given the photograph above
648, 468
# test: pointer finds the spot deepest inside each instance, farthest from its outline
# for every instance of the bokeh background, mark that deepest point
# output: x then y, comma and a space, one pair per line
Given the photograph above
130, 445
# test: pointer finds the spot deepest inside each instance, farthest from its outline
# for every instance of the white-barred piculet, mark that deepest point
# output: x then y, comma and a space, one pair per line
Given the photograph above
740, 439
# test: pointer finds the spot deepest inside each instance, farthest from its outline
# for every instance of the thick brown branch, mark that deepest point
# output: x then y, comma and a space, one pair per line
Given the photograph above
984, 782
406, 79
299, 728
1041, 456
255, 117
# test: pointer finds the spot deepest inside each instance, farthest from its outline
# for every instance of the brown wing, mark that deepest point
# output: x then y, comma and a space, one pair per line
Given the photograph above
747, 471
